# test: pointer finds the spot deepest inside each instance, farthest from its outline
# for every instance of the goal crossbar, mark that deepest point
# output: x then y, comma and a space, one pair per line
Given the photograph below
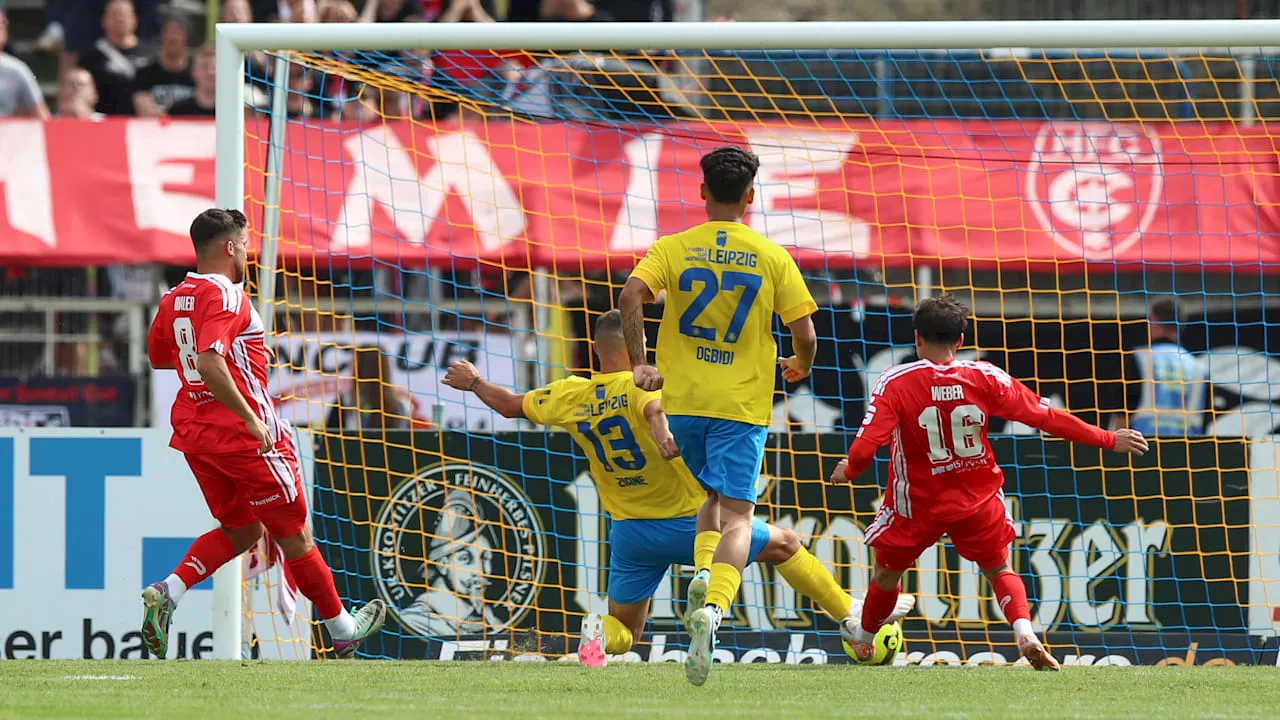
928, 35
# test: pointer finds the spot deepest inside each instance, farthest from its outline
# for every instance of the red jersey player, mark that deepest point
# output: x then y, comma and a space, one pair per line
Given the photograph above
241, 452
943, 477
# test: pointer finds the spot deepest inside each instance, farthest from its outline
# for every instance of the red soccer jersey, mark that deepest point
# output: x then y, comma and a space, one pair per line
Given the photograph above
941, 466
209, 312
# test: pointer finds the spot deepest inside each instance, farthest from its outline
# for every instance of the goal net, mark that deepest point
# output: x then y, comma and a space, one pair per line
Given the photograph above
421, 206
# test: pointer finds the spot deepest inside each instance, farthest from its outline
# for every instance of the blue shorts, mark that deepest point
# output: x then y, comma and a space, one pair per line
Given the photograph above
725, 455
641, 552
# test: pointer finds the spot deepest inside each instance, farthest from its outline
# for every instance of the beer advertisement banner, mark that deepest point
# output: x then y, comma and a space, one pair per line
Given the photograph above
495, 546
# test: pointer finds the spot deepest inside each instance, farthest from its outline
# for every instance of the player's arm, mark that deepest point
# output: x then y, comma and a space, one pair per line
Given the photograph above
804, 343
160, 349
875, 431
464, 376
795, 306
631, 303
217, 378
661, 430
1015, 401
215, 332
647, 279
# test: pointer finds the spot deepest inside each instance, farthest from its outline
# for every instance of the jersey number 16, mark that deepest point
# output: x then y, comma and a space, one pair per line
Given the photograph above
967, 422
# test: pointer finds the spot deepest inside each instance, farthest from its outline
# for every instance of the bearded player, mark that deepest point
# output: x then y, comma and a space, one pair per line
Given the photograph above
943, 476
241, 453
648, 492
716, 357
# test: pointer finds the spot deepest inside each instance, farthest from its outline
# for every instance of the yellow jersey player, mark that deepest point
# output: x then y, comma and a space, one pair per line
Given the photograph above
648, 492
724, 283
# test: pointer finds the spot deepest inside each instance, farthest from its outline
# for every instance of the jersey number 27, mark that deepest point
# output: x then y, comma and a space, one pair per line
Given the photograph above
731, 280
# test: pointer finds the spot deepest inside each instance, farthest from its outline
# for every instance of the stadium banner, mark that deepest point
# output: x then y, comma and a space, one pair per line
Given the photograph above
497, 544
313, 371
67, 402
87, 519
1076, 363
976, 193
969, 648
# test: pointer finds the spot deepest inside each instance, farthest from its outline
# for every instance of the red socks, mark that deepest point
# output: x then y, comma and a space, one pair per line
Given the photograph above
878, 606
315, 581
209, 552
1011, 596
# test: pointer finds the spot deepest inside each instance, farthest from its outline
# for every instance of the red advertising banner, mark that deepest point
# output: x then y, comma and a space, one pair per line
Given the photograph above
969, 193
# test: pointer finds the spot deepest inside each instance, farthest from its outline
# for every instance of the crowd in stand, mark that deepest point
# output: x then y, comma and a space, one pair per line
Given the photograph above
138, 58
141, 58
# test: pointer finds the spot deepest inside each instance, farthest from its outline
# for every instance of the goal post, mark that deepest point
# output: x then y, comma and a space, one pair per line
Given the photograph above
506, 531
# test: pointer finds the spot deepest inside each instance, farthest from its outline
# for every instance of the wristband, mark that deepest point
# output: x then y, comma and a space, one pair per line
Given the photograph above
474, 383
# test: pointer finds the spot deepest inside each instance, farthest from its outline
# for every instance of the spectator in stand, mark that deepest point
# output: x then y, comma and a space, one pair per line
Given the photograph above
342, 11
1167, 392
618, 10
167, 78
204, 75
115, 59
257, 69
639, 10
398, 11
370, 402
77, 95
299, 11
459, 11
524, 10
301, 100
573, 10
367, 104
19, 92
72, 26
434, 11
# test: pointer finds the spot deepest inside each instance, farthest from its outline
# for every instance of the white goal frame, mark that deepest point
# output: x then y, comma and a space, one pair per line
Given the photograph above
234, 40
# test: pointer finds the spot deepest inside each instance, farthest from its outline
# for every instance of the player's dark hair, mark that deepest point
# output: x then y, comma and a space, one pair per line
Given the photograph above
728, 173
1165, 311
609, 327
216, 225
941, 320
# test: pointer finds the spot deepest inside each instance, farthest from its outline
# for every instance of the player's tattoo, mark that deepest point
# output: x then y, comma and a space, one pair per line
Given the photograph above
633, 332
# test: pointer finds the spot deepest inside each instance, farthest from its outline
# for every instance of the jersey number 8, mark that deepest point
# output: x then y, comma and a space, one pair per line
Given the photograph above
184, 334
967, 422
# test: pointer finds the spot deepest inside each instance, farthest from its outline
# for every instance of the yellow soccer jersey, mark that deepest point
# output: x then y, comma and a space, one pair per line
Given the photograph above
605, 415
716, 351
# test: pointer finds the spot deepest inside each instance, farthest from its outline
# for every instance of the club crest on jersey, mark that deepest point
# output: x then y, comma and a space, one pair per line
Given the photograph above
457, 550
1094, 186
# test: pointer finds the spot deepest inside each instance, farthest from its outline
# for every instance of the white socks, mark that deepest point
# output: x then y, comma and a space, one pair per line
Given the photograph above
342, 627
177, 588
1022, 628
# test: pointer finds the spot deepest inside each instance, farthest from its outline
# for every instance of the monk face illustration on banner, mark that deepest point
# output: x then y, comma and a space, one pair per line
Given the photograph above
457, 551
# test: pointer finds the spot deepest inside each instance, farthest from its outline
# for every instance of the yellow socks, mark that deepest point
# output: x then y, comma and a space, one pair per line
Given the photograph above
704, 548
723, 588
617, 638
809, 577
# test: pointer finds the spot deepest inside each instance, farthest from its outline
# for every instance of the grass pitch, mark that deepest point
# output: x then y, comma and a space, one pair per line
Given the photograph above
418, 690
